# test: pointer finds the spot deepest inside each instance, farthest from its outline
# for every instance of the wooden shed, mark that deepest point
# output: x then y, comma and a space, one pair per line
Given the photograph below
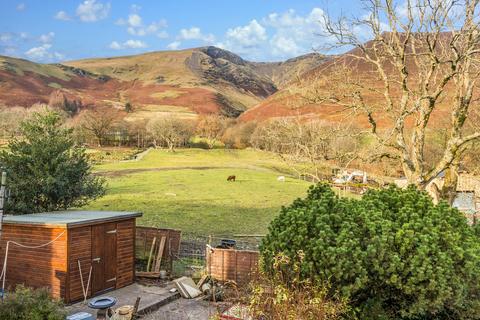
101, 240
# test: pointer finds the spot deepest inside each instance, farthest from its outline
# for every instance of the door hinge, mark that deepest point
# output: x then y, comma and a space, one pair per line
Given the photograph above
113, 279
96, 260
112, 231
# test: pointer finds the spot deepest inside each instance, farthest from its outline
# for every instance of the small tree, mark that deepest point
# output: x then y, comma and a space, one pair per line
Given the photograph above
47, 171
238, 135
128, 107
211, 127
10, 119
100, 123
393, 254
170, 131
58, 100
305, 145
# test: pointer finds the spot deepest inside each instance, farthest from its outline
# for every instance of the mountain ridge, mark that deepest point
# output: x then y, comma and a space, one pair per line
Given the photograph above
201, 80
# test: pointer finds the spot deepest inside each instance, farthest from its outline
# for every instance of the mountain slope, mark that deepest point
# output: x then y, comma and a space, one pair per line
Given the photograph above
195, 81
339, 77
285, 72
24, 83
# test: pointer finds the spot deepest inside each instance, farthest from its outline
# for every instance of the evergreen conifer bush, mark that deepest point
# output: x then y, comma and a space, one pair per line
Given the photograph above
393, 253
47, 170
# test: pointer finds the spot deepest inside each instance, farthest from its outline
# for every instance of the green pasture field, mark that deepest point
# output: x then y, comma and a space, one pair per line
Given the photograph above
188, 190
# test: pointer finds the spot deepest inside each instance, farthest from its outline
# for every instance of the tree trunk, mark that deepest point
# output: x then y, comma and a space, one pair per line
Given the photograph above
171, 147
449, 188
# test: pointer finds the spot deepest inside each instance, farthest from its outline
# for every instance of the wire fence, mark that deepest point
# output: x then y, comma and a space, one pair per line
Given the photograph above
186, 255
192, 256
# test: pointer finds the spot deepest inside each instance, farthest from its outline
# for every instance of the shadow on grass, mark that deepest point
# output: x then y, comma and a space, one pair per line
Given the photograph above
204, 218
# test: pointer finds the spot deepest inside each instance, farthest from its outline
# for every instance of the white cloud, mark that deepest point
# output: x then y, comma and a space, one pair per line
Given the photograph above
134, 44
134, 20
247, 36
62, 15
10, 43
115, 45
194, 33
295, 34
284, 46
5, 37
47, 38
43, 54
277, 35
135, 7
246, 40
91, 10
129, 44
58, 56
174, 45
39, 53
136, 27
9, 51
21, 7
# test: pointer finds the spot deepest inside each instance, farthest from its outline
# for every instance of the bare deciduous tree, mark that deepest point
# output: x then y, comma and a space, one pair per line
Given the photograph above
99, 123
170, 131
211, 127
307, 144
58, 100
10, 119
238, 134
422, 63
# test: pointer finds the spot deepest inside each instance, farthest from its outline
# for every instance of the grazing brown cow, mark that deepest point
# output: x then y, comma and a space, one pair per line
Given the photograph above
231, 178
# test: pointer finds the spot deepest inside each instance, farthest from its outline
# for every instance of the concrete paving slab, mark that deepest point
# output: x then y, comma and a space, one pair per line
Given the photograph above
152, 298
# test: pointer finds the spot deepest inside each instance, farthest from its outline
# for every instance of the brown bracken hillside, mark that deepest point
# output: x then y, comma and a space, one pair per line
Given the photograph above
195, 81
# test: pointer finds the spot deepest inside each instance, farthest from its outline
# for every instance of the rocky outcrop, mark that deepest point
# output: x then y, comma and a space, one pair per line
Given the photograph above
217, 53
221, 67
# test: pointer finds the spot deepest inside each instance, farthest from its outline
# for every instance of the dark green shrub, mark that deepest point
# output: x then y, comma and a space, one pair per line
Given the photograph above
47, 170
29, 304
128, 107
393, 254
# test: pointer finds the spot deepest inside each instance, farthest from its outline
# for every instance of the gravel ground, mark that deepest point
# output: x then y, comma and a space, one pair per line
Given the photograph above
184, 309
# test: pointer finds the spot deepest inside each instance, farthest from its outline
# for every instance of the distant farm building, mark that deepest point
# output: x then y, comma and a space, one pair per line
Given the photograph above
102, 241
467, 199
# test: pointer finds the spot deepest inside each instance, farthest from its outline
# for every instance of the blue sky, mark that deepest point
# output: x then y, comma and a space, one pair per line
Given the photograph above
261, 30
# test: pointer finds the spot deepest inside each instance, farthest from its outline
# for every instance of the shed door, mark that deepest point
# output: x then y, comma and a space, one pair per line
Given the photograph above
104, 257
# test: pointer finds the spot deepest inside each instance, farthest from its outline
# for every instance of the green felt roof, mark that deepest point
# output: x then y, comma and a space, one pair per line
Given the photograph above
69, 218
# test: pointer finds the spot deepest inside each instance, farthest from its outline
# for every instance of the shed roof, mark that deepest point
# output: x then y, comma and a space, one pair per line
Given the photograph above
69, 218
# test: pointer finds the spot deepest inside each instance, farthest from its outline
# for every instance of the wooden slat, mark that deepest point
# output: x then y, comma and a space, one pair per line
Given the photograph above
161, 247
80, 249
151, 253
41, 267
232, 265
125, 252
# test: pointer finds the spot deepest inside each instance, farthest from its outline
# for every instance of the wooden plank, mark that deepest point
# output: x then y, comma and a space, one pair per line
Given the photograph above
151, 253
110, 256
79, 250
144, 274
44, 267
125, 253
135, 309
98, 258
161, 247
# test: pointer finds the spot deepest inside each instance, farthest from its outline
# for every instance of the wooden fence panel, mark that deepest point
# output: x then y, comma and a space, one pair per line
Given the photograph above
144, 238
231, 264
